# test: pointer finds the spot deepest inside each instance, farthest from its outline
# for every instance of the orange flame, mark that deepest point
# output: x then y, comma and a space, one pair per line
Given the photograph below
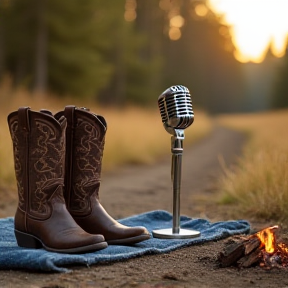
268, 239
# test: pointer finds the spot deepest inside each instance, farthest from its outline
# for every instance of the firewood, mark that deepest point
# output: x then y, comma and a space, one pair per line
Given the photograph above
235, 251
252, 244
231, 254
260, 248
250, 259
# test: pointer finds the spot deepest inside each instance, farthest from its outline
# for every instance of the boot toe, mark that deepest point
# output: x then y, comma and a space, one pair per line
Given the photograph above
128, 235
75, 241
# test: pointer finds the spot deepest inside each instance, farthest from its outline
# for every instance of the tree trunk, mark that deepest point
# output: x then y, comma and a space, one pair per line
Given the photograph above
41, 49
120, 68
150, 21
2, 68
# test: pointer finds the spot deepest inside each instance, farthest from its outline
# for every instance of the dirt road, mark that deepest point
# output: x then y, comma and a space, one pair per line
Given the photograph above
137, 189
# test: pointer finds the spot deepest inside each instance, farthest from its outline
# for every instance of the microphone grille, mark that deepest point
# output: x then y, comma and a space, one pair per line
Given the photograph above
175, 107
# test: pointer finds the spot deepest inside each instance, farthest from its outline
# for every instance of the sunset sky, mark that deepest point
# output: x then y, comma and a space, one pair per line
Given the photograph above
255, 25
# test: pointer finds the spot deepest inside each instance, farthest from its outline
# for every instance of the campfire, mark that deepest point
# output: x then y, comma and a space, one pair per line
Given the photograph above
261, 248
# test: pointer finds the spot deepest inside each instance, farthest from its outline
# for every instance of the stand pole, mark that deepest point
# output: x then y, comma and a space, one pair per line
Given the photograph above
176, 165
176, 182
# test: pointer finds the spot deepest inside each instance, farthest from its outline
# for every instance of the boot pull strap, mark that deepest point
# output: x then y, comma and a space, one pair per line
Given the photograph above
103, 121
23, 116
69, 114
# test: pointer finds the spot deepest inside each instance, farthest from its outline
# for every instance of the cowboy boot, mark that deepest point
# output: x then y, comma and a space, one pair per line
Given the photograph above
85, 136
42, 219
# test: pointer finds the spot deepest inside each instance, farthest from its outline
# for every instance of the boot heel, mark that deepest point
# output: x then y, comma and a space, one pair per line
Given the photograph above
27, 240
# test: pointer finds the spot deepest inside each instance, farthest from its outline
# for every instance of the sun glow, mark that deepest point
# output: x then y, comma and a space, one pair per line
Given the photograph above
255, 26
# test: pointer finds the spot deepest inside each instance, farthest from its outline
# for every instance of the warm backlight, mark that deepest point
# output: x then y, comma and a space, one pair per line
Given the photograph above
255, 26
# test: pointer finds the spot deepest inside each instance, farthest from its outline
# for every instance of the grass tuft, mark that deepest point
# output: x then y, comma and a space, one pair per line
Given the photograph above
259, 184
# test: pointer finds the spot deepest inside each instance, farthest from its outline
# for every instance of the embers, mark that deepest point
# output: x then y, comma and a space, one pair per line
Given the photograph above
261, 249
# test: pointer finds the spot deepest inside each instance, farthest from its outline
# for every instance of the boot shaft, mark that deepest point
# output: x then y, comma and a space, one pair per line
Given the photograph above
39, 158
85, 139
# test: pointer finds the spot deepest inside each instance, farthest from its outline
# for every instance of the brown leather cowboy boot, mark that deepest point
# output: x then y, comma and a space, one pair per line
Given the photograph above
84, 149
42, 219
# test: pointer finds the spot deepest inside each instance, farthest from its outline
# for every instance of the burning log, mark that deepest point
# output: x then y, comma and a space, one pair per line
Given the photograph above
250, 259
236, 251
260, 248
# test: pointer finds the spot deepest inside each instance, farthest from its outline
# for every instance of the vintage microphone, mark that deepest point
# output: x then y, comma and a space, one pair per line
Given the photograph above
177, 114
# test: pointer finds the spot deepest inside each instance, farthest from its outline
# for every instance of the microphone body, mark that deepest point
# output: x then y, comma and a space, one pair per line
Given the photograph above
176, 111
175, 107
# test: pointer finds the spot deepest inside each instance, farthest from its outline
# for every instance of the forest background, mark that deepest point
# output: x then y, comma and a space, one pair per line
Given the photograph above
118, 52
116, 57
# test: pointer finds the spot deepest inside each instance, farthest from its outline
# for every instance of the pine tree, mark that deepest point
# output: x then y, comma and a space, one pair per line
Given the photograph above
136, 70
77, 32
280, 97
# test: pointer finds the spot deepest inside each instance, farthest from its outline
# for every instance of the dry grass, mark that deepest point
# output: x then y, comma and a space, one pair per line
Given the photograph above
134, 135
260, 182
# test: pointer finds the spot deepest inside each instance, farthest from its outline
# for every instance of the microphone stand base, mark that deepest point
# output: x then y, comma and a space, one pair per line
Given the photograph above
168, 234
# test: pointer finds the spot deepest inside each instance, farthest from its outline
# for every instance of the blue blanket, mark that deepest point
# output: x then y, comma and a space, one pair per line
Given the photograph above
14, 257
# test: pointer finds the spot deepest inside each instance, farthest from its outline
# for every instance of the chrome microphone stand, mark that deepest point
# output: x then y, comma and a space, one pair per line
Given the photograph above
176, 166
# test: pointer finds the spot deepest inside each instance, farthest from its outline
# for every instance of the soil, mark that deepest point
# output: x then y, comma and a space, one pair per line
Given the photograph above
136, 189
